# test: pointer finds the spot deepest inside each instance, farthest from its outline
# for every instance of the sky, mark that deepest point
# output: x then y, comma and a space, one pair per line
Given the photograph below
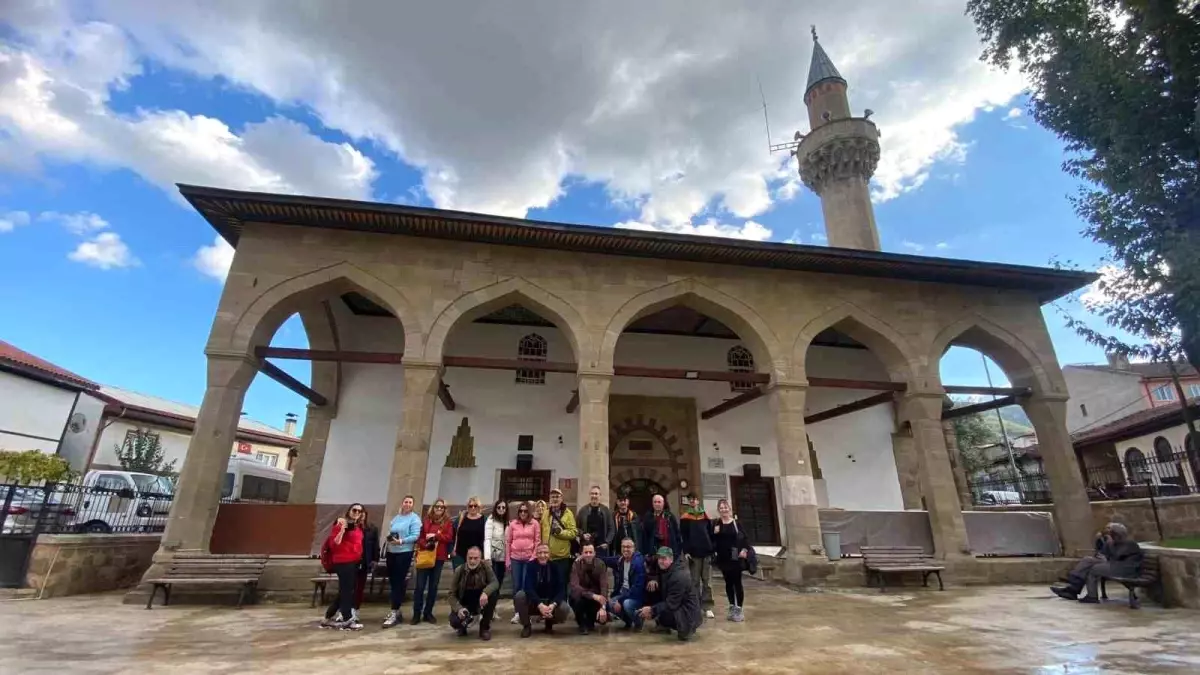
624, 114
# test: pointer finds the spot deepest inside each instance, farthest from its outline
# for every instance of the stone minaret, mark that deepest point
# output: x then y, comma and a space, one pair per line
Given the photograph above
838, 157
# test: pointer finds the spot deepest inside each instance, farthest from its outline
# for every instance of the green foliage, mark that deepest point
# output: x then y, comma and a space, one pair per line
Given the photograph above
1119, 82
33, 466
974, 432
142, 452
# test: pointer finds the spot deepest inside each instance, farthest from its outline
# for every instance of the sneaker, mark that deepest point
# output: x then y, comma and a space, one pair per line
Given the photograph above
350, 625
328, 623
738, 615
354, 615
708, 613
526, 631
391, 619
729, 613
584, 630
515, 620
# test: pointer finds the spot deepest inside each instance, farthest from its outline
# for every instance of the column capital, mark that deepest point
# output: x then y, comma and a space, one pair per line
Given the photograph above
323, 411
232, 369
594, 375
418, 365
788, 385
922, 404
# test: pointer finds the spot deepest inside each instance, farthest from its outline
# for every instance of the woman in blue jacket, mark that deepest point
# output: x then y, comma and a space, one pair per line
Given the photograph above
403, 532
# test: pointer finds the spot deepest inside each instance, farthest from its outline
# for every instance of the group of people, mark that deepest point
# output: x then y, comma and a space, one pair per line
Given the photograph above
599, 564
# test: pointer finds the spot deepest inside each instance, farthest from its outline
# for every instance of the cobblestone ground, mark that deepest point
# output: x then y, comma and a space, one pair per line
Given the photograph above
966, 630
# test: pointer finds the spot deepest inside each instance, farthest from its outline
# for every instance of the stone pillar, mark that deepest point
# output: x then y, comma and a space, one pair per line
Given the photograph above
1072, 510
908, 468
956, 463
310, 454
198, 491
800, 517
923, 411
593, 435
410, 464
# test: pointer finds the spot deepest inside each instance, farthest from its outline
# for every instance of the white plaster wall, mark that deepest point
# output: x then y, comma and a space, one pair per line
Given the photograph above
855, 451
32, 414
77, 446
1107, 396
174, 444
1176, 436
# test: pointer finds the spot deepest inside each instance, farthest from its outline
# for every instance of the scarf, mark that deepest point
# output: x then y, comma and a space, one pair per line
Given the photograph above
660, 523
697, 512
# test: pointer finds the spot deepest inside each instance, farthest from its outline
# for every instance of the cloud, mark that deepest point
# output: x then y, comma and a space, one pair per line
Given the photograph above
81, 223
942, 246
636, 96
710, 228
913, 246
214, 260
1014, 113
12, 220
104, 251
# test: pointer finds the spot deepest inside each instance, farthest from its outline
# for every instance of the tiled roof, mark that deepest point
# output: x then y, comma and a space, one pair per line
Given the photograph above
1153, 371
187, 413
1135, 424
821, 68
22, 361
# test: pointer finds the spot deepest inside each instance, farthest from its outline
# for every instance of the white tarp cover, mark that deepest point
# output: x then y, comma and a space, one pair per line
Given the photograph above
988, 533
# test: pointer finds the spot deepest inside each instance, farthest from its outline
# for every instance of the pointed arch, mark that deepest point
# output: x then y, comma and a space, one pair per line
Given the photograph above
884, 341
263, 317
511, 291
739, 316
1019, 361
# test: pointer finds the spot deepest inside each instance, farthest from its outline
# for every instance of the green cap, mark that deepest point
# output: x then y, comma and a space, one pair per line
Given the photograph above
666, 552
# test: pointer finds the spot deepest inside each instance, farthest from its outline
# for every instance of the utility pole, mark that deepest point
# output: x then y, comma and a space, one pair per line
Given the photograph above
1012, 462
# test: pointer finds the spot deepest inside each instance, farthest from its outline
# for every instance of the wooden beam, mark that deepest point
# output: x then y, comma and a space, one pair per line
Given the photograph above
987, 391
686, 374
739, 400
835, 383
325, 355
979, 407
444, 394
573, 404
507, 364
853, 406
276, 373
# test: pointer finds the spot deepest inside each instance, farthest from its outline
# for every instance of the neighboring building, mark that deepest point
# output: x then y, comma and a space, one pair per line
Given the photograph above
1149, 445
1101, 394
44, 407
127, 411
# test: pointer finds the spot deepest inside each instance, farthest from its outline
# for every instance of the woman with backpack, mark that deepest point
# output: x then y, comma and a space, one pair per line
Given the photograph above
432, 549
732, 551
342, 554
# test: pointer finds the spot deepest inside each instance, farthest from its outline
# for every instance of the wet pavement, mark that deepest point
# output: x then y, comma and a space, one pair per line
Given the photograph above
1013, 629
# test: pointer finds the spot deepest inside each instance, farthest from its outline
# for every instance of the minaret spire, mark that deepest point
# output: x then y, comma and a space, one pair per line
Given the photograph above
821, 68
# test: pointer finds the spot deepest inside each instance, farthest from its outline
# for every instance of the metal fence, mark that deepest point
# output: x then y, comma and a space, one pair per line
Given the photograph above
1159, 476
57, 508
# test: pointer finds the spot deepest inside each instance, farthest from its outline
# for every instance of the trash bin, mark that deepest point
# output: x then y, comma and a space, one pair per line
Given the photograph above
833, 545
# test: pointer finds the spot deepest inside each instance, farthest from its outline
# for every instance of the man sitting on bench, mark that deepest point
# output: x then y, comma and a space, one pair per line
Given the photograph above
1116, 557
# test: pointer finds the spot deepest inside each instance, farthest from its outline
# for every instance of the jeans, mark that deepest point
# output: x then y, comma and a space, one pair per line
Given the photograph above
397, 566
425, 590
470, 602
498, 570
518, 576
628, 613
347, 575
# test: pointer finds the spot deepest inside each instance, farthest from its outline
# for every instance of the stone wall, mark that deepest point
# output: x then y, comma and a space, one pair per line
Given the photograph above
848, 573
1180, 516
70, 564
1180, 569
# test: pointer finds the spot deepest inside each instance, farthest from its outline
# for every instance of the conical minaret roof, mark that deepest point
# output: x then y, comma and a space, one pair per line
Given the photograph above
822, 67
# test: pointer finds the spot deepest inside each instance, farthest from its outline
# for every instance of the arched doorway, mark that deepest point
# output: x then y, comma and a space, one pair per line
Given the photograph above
641, 492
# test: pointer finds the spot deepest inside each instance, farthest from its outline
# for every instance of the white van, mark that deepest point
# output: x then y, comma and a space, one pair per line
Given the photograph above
249, 480
122, 501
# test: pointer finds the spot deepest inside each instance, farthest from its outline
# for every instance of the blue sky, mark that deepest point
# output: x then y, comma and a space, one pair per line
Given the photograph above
103, 270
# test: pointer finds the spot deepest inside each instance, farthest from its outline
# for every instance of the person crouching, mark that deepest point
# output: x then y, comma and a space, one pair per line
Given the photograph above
589, 589
473, 594
541, 592
679, 609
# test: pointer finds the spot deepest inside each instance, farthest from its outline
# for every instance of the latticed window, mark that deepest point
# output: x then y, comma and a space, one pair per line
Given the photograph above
740, 360
531, 348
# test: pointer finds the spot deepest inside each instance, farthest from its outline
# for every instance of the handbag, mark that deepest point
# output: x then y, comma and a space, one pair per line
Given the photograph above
425, 559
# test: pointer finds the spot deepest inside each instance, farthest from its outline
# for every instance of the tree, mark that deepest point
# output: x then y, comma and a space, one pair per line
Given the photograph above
1119, 82
33, 466
973, 433
142, 452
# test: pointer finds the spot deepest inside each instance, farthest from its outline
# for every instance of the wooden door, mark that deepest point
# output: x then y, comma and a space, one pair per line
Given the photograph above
754, 505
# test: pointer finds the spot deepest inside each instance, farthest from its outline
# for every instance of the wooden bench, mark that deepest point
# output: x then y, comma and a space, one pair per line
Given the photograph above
321, 582
880, 561
210, 570
1147, 578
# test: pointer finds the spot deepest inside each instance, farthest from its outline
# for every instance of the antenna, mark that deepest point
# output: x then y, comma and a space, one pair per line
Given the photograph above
775, 147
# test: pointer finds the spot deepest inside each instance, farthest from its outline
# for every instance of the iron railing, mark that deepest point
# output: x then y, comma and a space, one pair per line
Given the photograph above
57, 508
1159, 476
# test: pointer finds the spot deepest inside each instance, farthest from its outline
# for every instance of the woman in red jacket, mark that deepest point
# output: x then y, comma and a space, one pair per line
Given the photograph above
345, 544
436, 535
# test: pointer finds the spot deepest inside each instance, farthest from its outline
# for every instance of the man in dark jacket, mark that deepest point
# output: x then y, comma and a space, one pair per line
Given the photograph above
659, 528
625, 524
1117, 556
695, 530
629, 585
589, 590
596, 519
542, 592
473, 593
680, 606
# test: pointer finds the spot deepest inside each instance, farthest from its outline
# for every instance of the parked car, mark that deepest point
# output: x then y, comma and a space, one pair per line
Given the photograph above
998, 497
123, 501
31, 504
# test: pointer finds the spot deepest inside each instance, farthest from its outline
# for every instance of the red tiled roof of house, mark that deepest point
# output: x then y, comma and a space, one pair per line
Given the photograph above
1136, 424
22, 361
1150, 371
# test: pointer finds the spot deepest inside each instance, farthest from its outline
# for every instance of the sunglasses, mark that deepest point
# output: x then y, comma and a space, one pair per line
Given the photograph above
472, 506
439, 506
355, 510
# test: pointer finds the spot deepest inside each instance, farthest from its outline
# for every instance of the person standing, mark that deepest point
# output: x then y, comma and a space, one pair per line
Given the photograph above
469, 530
495, 532
473, 593
436, 535
732, 549
403, 533
370, 556
344, 550
625, 524
596, 519
558, 530
520, 547
660, 528
695, 531
541, 592
589, 590
679, 609
629, 585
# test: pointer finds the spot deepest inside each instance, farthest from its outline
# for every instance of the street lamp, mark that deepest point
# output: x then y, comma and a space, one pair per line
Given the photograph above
1147, 477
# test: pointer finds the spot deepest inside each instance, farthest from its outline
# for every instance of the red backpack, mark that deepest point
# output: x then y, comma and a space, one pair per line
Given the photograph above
327, 553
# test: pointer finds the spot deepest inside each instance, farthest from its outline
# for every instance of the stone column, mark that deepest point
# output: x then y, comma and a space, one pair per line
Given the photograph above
800, 517
923, 410
410, 464
908, 468
1072, 510
198, 491
956, 463
593, 434
310, 454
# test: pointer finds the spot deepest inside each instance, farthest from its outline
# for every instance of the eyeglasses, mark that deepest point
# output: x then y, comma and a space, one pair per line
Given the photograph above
355, 510
472, 506
439, 506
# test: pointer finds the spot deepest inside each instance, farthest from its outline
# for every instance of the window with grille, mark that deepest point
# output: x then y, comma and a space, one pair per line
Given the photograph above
267, 458
1164, 393
1193, 390
531, 348
740, 360
519, 486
